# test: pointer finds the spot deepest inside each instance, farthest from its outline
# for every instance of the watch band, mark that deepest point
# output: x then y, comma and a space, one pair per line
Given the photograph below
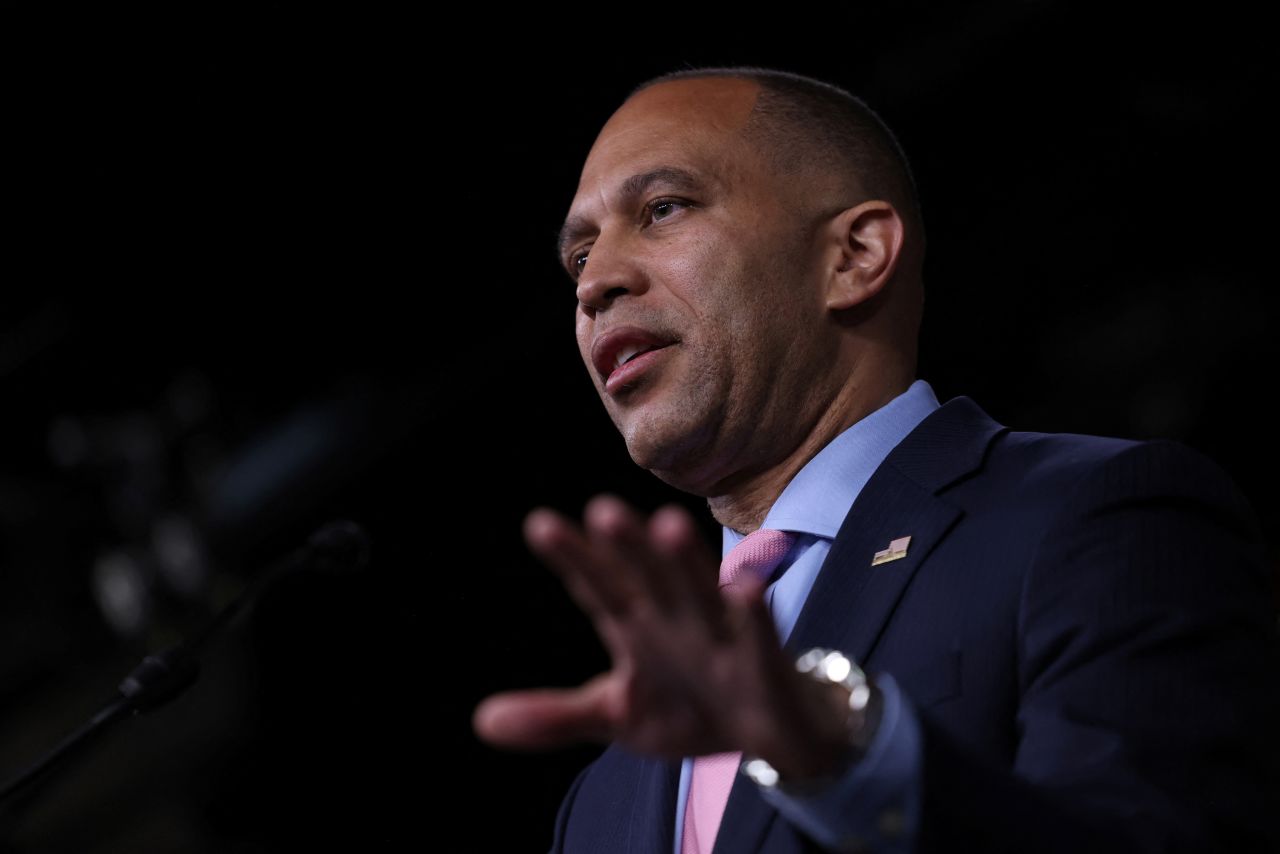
829, 667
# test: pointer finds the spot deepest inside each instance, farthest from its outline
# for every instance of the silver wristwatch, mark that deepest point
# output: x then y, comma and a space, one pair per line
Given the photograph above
829, 667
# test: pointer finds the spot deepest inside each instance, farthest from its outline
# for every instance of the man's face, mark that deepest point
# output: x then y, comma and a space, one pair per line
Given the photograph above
689, 251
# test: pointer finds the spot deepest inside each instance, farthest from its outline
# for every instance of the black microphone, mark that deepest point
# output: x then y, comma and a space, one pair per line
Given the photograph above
338, 548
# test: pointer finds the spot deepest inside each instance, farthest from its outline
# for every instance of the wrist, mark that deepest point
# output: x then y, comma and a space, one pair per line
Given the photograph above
843, 711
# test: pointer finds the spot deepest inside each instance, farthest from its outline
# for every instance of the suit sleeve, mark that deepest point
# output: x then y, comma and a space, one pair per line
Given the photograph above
876, 804
1147, 679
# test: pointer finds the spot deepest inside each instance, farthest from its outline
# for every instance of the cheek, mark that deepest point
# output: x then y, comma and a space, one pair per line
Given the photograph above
582, 332
768, 313
699, 268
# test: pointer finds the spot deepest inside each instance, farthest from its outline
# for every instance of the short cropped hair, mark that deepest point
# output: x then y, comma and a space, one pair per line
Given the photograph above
799, 121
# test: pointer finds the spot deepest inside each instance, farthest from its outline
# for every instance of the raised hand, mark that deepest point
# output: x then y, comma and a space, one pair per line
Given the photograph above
696, 670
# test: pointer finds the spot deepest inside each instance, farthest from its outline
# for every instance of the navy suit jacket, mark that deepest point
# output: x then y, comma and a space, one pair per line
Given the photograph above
1085, 627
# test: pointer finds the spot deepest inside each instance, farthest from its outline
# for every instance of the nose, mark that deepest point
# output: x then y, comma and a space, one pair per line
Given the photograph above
609, 272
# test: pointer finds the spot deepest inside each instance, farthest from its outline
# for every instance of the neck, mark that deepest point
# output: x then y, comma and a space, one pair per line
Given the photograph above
744, 502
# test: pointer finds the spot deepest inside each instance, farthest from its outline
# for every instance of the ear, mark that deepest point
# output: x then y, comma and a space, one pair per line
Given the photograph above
865, 245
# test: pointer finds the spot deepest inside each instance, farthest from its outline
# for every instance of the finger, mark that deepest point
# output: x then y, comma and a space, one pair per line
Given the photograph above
566, 550
546, 718
622, 536
751, 623
772, 688
692, 569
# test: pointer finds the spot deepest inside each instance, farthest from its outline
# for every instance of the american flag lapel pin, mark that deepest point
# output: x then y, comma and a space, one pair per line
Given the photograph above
897, 548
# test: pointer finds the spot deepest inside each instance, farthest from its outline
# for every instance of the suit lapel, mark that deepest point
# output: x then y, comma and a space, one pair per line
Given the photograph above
746, 820
851, 600
655, 795
627, 805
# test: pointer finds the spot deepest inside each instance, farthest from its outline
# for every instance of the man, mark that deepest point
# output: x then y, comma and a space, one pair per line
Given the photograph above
1068, 639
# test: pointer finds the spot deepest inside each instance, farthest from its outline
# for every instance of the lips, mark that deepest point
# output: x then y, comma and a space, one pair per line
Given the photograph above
619, 347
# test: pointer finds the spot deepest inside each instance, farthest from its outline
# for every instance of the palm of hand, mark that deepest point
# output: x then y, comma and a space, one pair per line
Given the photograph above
694, 671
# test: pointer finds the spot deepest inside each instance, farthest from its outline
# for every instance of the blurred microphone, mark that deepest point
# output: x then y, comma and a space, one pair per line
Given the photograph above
338, 548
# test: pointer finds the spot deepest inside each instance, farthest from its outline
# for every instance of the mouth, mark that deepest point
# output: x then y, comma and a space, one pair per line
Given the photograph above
621, 355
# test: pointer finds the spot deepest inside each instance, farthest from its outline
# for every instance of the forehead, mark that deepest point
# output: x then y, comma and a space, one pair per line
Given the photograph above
699, 114
686, 126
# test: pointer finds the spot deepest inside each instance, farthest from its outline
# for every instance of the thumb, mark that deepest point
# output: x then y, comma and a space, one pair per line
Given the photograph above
545, 718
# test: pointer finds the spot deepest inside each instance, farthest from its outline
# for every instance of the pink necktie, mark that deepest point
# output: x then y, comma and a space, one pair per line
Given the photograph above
713, 775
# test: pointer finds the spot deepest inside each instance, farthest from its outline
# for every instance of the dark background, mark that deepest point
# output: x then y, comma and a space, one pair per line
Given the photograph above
269, 269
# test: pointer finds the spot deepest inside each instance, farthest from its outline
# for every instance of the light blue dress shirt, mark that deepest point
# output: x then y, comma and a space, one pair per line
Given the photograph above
877, 802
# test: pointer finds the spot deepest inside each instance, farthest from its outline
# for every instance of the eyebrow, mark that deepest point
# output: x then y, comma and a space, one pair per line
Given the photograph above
576, 227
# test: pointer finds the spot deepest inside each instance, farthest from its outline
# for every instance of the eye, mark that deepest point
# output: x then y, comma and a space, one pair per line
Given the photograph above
656, 210
657, 205
575, 262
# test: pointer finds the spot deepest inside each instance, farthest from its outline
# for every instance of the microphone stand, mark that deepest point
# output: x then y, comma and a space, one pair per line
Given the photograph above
164, 676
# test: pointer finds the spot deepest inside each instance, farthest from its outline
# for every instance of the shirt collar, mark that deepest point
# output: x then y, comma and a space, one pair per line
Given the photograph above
818, 498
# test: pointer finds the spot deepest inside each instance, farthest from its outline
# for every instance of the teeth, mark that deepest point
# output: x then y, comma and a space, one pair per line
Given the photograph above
626, 354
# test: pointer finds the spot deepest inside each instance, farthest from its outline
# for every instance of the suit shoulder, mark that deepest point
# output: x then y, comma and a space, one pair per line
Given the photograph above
1057, 458
1058, 467
1077, 469
1034, 485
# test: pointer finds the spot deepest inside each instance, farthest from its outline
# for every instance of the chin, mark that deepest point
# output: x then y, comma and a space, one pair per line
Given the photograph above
669, 452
